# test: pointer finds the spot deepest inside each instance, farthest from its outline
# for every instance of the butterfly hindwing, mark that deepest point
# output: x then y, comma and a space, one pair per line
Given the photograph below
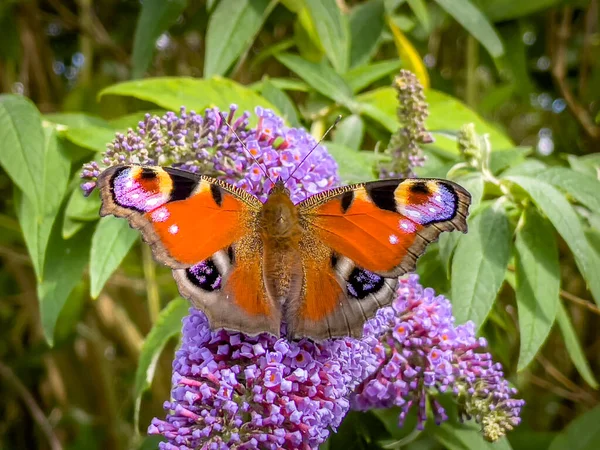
374, 232
190, 221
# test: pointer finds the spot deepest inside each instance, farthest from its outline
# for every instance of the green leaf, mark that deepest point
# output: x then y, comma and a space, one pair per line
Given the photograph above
281, 100
419, 8
472, 182
537, 283
36, 222
155, 18
353, 166
321, 77
350, 132
479, 264
167, 326
80, 209
366, 26
63, 270
529, 167
22, 145
500, 160
564, 218
467, 436
285, 84
504, 10
446, 113
573, 346
193, 93
112, 241
582, 187
362, 76
332, 28
470, 17
589, 164
232, 28
582, 433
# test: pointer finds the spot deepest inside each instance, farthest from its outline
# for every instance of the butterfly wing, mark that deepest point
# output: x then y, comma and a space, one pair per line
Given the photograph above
205, 230
371, 233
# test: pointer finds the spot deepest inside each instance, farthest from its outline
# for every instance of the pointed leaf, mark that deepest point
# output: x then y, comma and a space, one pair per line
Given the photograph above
112, 241
36, 222
574, 348
155, 18
353, 166
479, 264
564, 218
350, 132
333, 30
472, 182
537, 283
167, 326
419, 8
281, 100
63, 270
583, 187
475, 22
582, 433
194, 93
22, 145
366, 25
362, 76
232, 28
321, 77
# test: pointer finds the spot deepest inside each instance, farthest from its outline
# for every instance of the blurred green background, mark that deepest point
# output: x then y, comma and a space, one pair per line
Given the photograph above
74, 356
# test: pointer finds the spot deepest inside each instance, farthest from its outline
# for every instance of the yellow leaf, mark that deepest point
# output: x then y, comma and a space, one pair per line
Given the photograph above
409, 55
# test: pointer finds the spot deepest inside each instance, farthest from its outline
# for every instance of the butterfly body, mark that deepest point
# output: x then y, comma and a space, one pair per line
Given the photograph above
322, 266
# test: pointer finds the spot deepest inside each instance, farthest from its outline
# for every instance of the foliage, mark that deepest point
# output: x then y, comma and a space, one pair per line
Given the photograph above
80, 293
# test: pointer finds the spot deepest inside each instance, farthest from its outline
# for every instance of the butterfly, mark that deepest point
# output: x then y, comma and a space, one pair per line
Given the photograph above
323, 266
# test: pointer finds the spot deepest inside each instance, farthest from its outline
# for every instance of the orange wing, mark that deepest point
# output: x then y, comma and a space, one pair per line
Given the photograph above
195, 225
365, 236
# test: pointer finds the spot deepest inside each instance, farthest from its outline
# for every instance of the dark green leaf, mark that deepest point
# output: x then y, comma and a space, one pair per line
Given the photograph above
583, 187
366, 26
112, 241
281, 100
321, 77
155, 18
583, 433
564, 218
63, 270
574, 348
36, 222
470, 17
537, 283
80, 210
167, 326
332, 27
353, 166
501, 10
479, 264
232, 27
362, 76
22, 145
472, 182
350, 132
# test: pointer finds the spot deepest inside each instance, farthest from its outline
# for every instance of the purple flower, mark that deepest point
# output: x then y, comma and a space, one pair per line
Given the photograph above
420, 352
257, 392
206, 144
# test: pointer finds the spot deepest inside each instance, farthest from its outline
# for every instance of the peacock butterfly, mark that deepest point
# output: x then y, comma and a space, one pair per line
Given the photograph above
324, 265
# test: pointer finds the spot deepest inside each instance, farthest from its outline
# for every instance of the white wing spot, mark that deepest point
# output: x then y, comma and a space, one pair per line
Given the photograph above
173, 229
407, 226
135, 195
153, 201
431, 209
129, 184
393, 239
438, 198
413, 213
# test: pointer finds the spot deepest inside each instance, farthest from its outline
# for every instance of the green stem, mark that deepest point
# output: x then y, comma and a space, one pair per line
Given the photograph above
151, 284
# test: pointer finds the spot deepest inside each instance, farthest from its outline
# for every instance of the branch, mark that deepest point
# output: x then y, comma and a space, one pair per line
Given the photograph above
559, 73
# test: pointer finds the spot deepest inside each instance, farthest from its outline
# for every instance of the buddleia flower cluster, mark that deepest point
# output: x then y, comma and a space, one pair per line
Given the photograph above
230, 390
404, 148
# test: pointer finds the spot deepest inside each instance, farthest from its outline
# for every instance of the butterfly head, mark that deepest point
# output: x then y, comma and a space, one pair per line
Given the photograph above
279, 188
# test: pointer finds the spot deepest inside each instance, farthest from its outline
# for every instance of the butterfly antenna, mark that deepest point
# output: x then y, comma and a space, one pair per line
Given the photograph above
249, 153
338, 118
